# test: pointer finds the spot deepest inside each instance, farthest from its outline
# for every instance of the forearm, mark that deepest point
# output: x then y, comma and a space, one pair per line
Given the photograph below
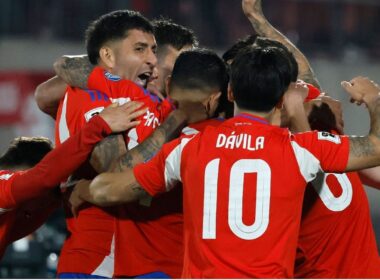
298, 120
74, 70
168, 130
263, 28
48, 95
109, 189
60, 163
365, 151
370, 177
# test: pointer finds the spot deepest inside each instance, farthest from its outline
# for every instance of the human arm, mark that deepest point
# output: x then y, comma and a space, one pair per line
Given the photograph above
48, 94
62, 161
112, 155
370, 177
294, 109
253, 11
365, 150
74, 70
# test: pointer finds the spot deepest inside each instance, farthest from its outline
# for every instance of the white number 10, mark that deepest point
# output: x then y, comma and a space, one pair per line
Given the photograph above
235, 203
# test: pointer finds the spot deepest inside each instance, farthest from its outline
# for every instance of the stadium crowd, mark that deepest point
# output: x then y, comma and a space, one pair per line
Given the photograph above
172, 162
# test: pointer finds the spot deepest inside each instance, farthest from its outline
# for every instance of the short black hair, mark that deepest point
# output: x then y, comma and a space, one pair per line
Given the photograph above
231, 53
169, 33
198, 69
25, 151
260, 77
113, 26
240, 44
266, 42
202, 69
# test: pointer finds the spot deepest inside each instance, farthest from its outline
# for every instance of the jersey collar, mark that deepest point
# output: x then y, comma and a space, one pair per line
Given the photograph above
252, 118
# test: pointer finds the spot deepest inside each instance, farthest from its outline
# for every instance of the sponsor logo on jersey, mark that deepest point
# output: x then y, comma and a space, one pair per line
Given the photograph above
111, 77
323, 135
5, 176
88, 115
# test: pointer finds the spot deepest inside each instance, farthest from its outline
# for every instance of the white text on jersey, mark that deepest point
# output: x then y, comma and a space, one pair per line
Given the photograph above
243, 141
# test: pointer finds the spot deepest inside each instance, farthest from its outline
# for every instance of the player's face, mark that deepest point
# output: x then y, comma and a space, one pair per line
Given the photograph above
135, 57
165, 68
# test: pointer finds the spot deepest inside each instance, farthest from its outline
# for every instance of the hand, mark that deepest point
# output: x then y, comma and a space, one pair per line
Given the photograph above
76, 196
120, 118
361, 90
193, 111
295, 96
252, 8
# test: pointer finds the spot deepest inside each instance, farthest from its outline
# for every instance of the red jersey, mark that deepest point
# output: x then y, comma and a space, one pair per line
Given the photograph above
239, 218
149, 233
28, 197
89, 247
336, 236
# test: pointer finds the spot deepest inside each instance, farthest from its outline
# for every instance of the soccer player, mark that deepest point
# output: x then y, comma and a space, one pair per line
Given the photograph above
149, 238
172, 39
138, 43
336, 235
30, 171
224, 169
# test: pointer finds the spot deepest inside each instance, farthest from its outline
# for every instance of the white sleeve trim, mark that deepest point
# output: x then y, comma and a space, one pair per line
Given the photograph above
173, 165
308, 164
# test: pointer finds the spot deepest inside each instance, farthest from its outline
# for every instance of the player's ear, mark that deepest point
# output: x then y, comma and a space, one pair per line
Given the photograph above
212, 102
107, 56
167, 84
230, 94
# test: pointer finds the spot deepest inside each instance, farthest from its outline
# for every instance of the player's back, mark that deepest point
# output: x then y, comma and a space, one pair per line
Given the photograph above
336, 236
242, 201
150, 232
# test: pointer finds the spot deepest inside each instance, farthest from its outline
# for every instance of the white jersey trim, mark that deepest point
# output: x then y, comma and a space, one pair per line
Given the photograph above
308, 164
173, 165
107, 266
64, 132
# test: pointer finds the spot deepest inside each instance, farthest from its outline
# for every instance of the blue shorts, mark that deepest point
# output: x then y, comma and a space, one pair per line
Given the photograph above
153, 275
79, 276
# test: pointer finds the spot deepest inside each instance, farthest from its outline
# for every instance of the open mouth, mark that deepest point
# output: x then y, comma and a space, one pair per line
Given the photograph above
143, 79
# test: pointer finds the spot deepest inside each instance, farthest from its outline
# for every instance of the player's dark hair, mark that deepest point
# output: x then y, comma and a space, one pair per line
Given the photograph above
232, 52
202, 69
265, 42
260, 77
199, 69
321, 118
169, 33
113, 26
240, 44
25, 151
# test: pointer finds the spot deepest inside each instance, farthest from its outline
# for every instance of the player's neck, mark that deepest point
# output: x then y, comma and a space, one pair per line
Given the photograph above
264, 115
105, 67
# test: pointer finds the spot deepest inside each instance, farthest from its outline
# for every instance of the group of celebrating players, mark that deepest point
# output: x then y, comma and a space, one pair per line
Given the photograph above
173, 162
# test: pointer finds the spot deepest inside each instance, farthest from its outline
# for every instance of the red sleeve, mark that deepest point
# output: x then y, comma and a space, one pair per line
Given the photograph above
324, 150
116, 87
59, 163
77, 108
6, 199
161, 173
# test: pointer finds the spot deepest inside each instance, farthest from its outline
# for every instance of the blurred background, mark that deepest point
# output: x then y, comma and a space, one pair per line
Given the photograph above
341, 38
